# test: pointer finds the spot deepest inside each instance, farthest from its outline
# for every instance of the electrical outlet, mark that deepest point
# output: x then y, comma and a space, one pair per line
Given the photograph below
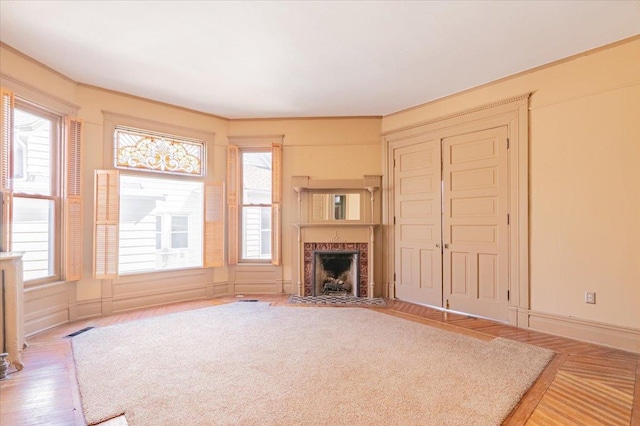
590, 297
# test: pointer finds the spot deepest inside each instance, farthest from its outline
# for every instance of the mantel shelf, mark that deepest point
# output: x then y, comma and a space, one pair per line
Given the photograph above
339, 224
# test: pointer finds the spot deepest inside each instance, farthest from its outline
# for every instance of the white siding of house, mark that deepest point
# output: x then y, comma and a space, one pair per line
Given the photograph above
141, 201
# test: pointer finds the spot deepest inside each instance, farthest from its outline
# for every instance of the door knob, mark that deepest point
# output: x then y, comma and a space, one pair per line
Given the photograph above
446, 246
437, 244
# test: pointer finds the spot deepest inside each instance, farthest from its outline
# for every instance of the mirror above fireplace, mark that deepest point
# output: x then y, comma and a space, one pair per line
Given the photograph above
335, 206
337, 202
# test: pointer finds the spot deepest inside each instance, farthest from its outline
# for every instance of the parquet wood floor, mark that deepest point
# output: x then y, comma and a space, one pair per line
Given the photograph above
584, 384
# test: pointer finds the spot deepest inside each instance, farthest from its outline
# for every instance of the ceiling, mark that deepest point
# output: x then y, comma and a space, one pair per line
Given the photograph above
302, 59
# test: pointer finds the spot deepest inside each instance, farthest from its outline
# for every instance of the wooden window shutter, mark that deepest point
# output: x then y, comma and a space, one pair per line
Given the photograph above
106, 212
73, 201
213, 225
6, 165
232, 203
276, 202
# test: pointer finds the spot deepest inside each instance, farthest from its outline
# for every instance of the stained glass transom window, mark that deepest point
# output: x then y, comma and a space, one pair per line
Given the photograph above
140, 150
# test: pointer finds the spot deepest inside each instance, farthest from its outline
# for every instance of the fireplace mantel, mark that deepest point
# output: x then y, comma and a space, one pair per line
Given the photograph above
360, 233
336, 225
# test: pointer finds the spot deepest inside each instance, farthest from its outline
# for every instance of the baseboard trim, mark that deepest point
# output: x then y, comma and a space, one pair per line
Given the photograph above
220, 289
46, 322
619, 337
129, 303
89, 308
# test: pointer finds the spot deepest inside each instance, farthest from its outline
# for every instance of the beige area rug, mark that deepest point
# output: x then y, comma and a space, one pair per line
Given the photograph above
254, 364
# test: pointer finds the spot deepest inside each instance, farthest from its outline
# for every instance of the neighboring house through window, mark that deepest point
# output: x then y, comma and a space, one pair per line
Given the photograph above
154, 231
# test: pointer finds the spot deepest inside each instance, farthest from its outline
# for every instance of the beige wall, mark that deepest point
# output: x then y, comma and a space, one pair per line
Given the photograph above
584, 174
584, 184
321, 148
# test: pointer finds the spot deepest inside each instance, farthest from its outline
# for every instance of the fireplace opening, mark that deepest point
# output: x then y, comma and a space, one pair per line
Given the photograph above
335, 273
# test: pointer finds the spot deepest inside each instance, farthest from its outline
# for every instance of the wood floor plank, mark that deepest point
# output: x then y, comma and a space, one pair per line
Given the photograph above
635, 410
522, 412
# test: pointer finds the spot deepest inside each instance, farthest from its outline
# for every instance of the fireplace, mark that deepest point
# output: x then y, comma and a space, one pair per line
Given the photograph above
339, 269
335, 273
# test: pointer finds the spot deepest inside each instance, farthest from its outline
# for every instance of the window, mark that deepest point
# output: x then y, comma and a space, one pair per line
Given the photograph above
157, 213
158, 232
140, 149
180, 232
254, 198
40, 183
154, 224
36, 191
256, 205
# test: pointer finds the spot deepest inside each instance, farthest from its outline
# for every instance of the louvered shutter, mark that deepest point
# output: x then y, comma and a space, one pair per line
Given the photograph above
73, 201
213, 225
6, 165
232, 203
276, 202
106, 208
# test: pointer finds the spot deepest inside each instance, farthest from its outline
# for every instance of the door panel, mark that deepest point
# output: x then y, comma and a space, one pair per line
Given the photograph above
417, 208
475, 230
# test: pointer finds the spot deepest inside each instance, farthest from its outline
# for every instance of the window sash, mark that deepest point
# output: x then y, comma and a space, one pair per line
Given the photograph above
235, 205
252, 243
38, 238
242, 228
65, 162
54, 194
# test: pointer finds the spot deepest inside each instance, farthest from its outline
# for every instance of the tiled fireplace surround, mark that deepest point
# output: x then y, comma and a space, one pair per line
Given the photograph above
363, 260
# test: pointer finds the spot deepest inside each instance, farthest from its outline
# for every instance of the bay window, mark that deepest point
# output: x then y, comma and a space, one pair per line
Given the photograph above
155, 211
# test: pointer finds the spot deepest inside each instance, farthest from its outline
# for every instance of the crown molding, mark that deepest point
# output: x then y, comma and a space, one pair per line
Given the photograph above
38, 96
255, 141
522, 97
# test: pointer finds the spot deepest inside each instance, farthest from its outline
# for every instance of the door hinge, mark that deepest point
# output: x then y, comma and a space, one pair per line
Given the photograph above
508, 296
507, 143
508, 218
394, 163
394, 220
447, 304
394, 277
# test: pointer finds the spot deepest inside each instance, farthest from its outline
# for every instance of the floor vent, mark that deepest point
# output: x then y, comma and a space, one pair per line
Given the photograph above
248, 300
75, 333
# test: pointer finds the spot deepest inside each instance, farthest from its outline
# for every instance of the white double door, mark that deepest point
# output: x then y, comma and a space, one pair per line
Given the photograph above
450, 199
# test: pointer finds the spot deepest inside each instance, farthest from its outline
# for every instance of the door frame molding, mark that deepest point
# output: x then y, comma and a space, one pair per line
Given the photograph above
512, 113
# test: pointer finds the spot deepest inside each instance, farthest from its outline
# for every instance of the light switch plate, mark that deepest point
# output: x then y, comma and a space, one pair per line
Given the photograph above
590, 297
